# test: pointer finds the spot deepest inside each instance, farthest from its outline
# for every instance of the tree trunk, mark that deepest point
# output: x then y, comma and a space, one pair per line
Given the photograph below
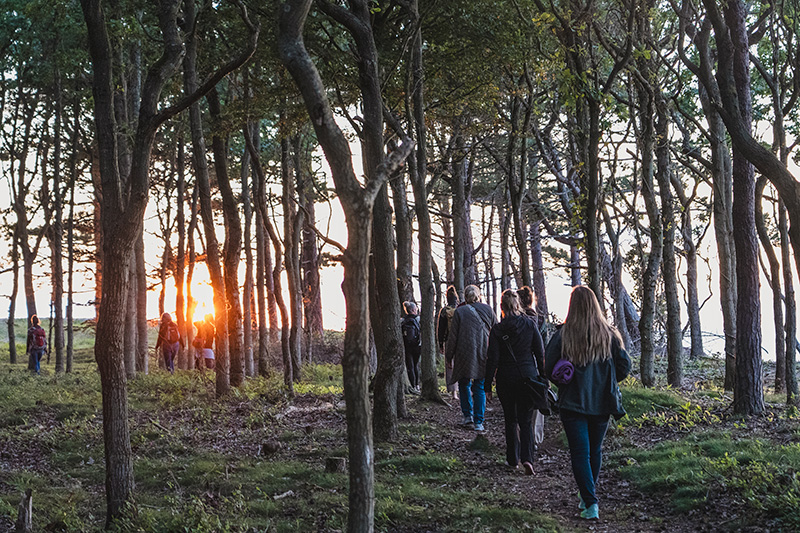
537, 268
142, 360
459, 214
180, 260
748, 397
191, 304
247, 317
690, 252
234, 363
669, 266
649, 274
385, 320
131, 345
722, 184
263, 270
418, 174
505, 255
292, 225
276, 271
309, 260
357, 202
447, 235
57, 235
204, 189
12, 304
403, 218
774, 280
790, 328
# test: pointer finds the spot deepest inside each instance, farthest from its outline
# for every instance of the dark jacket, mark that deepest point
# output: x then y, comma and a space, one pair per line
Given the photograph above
207, 333
467, 341
163, 335
523, 336
412, 334
594, 389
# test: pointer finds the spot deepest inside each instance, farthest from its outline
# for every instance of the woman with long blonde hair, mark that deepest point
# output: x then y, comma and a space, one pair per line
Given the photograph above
597, 354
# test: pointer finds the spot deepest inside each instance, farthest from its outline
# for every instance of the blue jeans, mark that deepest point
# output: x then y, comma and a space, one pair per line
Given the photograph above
170, 352
474, 404
35, 359
585, 434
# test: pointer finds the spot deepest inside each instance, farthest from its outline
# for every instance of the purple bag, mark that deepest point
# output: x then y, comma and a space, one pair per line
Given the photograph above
562, 372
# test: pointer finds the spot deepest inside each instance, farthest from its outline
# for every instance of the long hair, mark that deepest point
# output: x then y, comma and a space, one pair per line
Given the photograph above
509, 303
452, 296
586, 335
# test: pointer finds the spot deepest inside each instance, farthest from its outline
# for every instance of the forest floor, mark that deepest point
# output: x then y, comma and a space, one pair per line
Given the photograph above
255, 461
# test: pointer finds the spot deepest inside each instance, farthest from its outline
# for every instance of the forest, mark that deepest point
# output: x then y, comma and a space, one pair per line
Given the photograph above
151, 150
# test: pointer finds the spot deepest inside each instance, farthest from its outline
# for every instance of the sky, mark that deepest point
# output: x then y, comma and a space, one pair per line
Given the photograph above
329, 215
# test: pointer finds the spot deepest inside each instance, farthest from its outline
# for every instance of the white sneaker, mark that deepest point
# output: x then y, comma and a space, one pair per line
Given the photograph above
479, 427
466, 421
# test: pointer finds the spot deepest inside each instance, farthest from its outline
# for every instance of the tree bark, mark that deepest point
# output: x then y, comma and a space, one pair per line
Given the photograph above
233, 364
647, 112
142, 360
57, 234
357, 202
669, 266
12, 304
790, 328
206, 214
403, 218
292, 226
733, 76
180, 260
247, 316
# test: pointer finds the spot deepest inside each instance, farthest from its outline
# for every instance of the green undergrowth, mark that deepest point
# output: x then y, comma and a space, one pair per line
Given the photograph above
759, 477
200, 463
712, 462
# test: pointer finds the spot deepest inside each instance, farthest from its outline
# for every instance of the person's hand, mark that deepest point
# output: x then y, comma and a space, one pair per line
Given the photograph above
489, 394
450, 365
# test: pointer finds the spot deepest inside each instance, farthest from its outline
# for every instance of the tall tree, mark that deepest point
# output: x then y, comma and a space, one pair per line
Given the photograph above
124, 202
357, 202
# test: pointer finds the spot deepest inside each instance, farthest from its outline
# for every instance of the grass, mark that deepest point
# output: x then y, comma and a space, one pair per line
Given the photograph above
198, 465
711, 463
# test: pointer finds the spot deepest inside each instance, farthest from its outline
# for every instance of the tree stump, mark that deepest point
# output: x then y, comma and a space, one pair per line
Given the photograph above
336, 465
25, 518
269, 447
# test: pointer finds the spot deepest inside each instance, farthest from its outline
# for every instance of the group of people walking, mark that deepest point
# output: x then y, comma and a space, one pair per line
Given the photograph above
170, 341
585, 358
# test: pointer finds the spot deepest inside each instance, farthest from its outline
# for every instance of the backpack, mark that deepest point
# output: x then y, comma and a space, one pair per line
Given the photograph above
411, 334
173, 335
449, 312
39, 337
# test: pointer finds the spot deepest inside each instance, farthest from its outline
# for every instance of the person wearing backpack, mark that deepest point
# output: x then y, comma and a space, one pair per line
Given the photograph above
170, 341
442, 330
412, 343
37, 344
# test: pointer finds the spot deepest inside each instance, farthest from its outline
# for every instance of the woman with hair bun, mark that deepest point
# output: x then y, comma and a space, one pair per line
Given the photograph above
516, 353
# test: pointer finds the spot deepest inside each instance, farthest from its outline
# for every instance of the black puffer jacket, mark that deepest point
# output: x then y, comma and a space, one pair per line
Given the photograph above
526, 342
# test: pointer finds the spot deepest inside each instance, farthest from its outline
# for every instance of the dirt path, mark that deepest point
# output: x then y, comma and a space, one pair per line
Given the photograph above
552, 490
